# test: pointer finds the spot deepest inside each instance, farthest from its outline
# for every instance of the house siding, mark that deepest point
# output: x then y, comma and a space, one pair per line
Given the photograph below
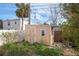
13, 26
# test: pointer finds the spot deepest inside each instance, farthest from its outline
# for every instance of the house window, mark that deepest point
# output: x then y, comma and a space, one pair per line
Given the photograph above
15, 22
8, 23
42, 32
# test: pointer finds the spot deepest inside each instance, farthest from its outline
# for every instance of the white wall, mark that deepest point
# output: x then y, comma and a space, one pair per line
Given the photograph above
25, 23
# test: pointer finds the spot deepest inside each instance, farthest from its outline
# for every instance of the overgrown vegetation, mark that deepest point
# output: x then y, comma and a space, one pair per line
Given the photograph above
27, 49
10, 36
70, 29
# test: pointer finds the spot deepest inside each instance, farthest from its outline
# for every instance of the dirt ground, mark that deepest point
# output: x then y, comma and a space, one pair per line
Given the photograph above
66, 51
69, 52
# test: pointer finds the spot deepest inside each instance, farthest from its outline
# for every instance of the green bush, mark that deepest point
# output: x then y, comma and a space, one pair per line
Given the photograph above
42, 50
16, 49
38, 46
25, 48
50, 52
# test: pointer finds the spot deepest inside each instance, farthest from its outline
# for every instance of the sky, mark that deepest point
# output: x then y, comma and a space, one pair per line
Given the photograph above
7, 10
39, 12
42, 11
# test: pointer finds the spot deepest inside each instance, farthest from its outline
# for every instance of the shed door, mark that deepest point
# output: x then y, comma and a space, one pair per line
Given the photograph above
57, 36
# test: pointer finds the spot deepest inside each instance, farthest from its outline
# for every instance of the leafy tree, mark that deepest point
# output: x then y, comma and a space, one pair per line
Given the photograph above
22, 11
70, 29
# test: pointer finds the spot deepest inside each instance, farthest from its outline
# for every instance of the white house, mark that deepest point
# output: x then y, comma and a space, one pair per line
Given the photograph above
14, 24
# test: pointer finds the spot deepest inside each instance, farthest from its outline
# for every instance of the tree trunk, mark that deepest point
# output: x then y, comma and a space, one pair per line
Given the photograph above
29, 13
22, 24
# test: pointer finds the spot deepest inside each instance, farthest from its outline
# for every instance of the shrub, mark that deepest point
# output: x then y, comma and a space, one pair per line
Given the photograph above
42, 50
16, 49
9, 36
2, 51
50, 52
38, 45
25, 48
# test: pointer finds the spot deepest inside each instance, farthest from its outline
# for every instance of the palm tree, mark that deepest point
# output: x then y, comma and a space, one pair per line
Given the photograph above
22, 11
